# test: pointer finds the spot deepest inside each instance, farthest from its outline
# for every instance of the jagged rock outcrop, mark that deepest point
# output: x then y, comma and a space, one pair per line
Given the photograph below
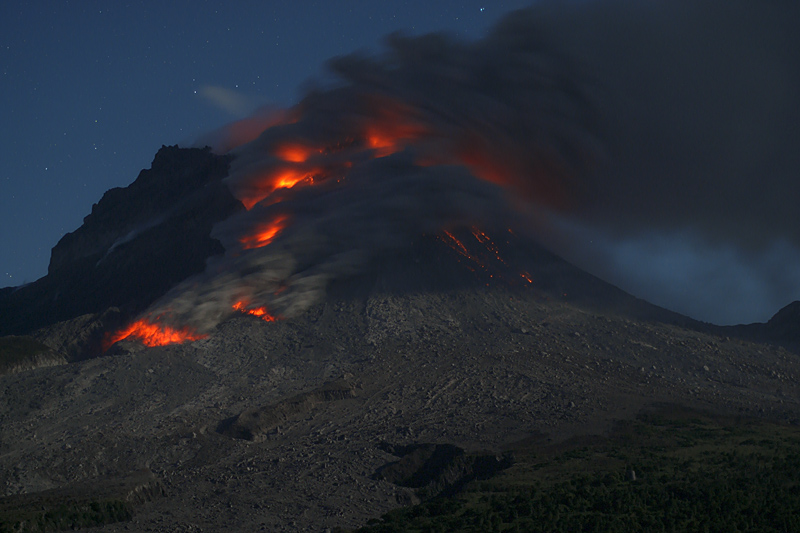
136, 244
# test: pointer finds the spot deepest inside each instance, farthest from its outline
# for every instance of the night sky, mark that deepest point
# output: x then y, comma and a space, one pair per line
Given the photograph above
91, 90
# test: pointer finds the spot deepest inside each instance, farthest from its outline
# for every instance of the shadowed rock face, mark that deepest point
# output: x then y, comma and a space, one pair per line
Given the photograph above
137, 242
785, 325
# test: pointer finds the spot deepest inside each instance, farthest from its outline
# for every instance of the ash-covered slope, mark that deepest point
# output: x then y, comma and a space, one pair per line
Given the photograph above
136, 244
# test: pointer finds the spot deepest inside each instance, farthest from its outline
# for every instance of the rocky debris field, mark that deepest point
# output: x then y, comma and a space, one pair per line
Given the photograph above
285, 426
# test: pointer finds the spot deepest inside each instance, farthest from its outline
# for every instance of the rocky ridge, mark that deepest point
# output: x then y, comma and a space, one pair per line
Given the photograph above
127, 253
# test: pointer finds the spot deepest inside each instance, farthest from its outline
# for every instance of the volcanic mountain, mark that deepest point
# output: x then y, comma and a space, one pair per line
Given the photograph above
465, 338
141, 241
346, 307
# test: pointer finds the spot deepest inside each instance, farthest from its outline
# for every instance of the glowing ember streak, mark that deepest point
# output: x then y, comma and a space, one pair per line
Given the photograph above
151, 334
480, 259
461, 249
284, 178
460, 245
260, 312
490, 245
264, 233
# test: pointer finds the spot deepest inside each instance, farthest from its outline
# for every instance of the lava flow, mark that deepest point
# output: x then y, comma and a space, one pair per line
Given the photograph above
458, 246
264, 233
151, 334
281, 178
260, 312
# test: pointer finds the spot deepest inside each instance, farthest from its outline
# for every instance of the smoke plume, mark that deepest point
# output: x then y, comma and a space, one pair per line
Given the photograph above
641, 140
700, 111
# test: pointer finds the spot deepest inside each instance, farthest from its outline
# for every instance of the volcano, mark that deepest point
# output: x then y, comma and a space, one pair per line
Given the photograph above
133, 253
460, 341
352, 306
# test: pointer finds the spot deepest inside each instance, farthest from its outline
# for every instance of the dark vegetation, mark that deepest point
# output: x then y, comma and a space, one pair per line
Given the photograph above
59, 516
77, 506
669, 470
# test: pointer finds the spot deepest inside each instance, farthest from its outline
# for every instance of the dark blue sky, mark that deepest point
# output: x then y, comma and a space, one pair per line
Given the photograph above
90, 90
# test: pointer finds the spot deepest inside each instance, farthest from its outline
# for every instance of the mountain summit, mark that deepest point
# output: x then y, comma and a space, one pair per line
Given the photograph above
137, 242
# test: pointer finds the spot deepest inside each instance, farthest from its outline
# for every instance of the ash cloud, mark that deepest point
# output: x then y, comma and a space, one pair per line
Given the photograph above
700, 112
641, 140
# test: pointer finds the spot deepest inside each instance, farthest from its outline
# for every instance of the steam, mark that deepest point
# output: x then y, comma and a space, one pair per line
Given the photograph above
233, 102
653, 143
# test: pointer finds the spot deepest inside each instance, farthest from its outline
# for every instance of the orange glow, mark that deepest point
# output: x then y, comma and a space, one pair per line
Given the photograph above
392, 128
544, 180
387, 139
260, 312
483, 166
291, 177
151, 334
459, 247
488, 242
526, 277
382, 144
283, 178
294, 153
264, 233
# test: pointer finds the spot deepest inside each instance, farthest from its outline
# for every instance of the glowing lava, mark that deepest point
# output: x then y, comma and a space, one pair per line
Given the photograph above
480, 259
260, 312
264, 233
458, 246
151, 334
294, 153
484, 239
281, 178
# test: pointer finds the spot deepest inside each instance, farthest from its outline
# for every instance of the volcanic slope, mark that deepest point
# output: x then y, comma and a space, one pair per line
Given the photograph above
281, 426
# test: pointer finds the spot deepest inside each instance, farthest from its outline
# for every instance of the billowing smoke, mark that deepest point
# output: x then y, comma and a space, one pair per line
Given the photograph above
696, 206
642, 140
